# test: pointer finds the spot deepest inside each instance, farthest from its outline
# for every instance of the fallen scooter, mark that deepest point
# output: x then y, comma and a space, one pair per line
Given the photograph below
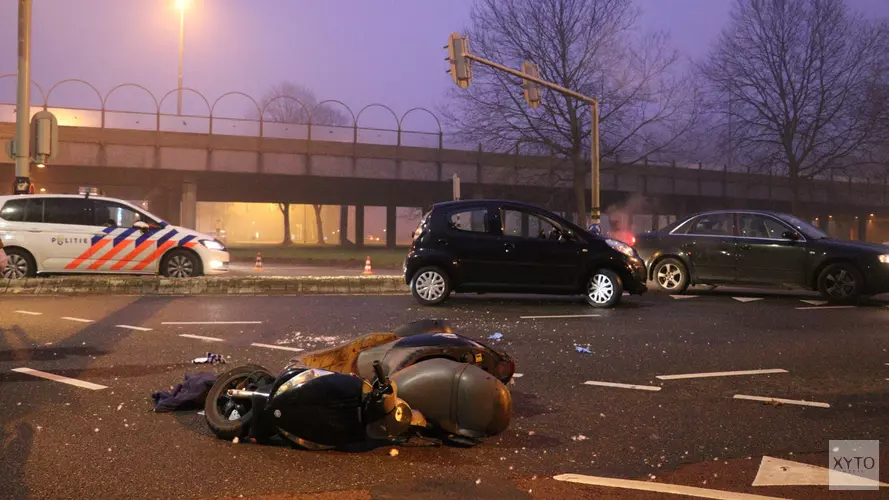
378, 386
320, 409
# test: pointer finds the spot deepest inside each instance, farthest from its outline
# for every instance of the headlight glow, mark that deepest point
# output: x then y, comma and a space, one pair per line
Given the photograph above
621, 247
213, 245
884, 259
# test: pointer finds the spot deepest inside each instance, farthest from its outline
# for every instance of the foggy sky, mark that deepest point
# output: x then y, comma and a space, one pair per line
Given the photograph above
358, 51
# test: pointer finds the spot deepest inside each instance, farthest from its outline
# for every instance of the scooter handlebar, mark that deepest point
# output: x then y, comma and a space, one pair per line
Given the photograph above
381, 377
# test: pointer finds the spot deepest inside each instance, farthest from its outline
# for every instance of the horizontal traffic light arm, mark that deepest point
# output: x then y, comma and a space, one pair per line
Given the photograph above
558, 88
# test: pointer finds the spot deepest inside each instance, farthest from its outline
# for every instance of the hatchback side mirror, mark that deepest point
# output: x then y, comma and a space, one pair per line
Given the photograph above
790, 235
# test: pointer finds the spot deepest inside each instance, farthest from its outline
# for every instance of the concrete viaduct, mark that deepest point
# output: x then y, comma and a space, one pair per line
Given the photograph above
174, 170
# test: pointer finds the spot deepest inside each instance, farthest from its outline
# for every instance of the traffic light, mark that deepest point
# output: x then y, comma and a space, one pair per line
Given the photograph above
532, 89
461, 66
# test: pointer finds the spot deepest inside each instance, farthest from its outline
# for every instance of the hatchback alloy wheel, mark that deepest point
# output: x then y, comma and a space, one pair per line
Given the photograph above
16, 267
430, 286
604, 289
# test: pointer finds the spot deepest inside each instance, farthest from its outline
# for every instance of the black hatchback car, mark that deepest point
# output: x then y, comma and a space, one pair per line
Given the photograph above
762, 248
507, 246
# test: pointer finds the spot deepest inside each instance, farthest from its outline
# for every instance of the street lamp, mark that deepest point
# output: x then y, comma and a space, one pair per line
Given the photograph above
181, 5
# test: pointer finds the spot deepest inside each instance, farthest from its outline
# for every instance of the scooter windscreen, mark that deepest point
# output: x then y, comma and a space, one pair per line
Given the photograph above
459, 398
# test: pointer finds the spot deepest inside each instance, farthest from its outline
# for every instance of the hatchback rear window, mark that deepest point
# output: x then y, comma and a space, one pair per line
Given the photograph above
474, 220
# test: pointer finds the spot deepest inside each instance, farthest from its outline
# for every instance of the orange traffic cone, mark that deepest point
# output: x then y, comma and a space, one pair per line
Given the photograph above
367, 269
258, 266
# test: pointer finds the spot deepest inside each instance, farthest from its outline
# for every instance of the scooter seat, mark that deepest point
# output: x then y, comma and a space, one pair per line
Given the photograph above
342, 358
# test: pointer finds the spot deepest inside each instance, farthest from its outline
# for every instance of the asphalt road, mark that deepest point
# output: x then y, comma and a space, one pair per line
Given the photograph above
64, 441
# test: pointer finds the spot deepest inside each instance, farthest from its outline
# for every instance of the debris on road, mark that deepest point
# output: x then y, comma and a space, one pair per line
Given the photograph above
210, 358
236, 440
584, 350
495, 336
579, 437
393, 452
190, 394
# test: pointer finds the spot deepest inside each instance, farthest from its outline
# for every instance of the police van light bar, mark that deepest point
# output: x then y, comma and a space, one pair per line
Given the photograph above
88, 191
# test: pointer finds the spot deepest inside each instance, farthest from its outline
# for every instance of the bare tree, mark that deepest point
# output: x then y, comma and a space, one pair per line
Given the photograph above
289, 102
585, 45
792, 77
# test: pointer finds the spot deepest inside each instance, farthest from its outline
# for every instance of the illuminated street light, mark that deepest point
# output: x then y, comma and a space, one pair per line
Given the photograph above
40, 165
182, 5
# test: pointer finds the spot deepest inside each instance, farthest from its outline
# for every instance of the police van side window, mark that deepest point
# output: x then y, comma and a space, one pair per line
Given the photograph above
34, 210
71, 211
13, 211
112, 214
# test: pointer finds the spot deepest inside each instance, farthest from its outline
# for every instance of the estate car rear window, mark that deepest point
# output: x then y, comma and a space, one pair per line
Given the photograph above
473, 220
74, 211
13, 210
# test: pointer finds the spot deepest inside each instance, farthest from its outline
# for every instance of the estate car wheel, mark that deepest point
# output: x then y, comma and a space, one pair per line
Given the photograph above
840, 283
180, 264
19, 264
430, 286
671, 276
604, 289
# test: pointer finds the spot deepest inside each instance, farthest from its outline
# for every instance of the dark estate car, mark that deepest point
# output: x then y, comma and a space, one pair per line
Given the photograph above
762, 248
505, 246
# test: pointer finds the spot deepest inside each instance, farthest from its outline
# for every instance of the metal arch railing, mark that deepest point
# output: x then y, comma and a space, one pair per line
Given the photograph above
213, 109
15, 75
157, 104
377, 105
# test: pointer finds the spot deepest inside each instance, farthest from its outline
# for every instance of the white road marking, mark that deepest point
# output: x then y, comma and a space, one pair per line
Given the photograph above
520, 375
747, 299
777, 472
58, 378
721, 374
212, 323
562, 317
279, 347
623, 386
674, 489
684, 296
814, 302
199, 337
79, 320
30, 313
824, 307
139, 328
780, 400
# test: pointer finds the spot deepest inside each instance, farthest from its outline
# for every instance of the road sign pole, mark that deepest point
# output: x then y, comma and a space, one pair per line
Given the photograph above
594, 177
23, 102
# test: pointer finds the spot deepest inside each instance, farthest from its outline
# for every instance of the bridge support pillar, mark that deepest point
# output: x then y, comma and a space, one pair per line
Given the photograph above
391, 227
189, 206
359, 226
165, 203
862, 221
344, 225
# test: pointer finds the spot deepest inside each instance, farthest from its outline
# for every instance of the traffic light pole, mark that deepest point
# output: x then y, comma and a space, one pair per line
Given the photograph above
594, 107
22, 183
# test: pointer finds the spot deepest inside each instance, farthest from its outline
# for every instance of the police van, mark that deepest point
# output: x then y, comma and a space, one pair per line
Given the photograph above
56, 234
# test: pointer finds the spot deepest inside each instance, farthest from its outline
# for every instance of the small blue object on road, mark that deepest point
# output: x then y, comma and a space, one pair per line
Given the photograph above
583, 349
495, 336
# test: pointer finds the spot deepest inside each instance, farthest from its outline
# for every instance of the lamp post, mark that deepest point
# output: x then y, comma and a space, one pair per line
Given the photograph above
181, 5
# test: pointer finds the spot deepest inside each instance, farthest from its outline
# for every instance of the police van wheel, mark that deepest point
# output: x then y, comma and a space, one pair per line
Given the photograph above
20, 264
180, 264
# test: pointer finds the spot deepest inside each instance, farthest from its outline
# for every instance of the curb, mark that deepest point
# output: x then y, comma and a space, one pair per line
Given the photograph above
246, 285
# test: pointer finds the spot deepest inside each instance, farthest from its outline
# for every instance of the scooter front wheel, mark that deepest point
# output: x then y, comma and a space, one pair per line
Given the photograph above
227, 417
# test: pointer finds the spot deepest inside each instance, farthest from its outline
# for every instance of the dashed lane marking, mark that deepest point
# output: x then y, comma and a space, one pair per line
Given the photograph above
200, 337
680, 297
673, 489
782, 401
562, 316
30, 313
623, 386
823, 307
721, 374
814, 302
212, 323
747, 299
279, 347
58, 378
138, 328
78, 320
